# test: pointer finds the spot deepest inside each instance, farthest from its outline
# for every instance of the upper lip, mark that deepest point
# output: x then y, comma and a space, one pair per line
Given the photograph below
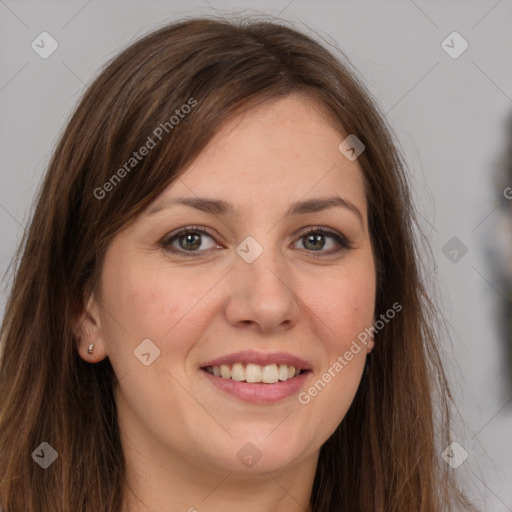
250, 356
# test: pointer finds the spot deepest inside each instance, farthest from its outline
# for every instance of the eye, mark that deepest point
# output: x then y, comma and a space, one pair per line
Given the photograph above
313, 240
190, 240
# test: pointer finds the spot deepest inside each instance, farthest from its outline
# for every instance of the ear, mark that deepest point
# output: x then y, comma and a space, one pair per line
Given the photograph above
87, 331
371, 342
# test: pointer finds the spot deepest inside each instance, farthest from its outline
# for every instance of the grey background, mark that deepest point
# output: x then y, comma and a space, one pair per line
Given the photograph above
451, 116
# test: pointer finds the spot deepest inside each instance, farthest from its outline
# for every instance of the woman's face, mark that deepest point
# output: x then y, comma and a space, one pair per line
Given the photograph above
261, 287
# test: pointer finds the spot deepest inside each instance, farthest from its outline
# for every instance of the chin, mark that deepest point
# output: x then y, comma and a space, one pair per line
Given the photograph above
255, 451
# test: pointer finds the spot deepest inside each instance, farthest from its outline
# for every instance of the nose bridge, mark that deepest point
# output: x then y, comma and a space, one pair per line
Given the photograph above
262, 284
263, 263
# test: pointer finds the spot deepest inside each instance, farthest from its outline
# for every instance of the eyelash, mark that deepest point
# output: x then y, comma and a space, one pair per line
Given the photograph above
339, 238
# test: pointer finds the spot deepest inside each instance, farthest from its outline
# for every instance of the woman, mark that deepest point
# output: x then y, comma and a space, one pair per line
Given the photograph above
218, 302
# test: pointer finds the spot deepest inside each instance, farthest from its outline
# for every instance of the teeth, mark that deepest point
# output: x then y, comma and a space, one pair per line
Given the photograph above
283, 372
253, 373
237, 372
225, 371
269, 374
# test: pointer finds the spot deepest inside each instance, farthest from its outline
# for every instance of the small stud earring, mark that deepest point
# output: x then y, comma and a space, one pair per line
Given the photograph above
90, 349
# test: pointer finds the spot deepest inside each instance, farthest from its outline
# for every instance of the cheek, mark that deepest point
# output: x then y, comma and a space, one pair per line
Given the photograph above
152, 302
343, 309
344, 304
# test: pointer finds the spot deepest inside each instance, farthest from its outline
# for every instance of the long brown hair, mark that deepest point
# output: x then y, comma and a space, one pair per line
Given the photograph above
384, 455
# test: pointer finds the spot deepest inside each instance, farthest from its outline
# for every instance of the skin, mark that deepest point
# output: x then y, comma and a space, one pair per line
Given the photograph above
181, 434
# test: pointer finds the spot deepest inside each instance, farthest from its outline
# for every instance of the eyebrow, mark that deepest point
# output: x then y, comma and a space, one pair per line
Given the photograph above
222, 208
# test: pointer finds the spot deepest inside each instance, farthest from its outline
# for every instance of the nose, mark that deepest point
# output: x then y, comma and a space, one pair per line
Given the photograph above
262, 294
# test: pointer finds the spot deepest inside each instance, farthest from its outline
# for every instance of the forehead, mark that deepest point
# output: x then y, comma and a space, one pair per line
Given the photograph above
278, 151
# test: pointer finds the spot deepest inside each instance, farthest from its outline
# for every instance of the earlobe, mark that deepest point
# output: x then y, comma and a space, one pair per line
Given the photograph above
88, 333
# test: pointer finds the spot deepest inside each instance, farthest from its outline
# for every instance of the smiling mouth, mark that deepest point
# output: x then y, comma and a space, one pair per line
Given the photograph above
255, 373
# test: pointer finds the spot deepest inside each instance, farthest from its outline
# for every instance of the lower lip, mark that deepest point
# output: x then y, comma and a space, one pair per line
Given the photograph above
258, 393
